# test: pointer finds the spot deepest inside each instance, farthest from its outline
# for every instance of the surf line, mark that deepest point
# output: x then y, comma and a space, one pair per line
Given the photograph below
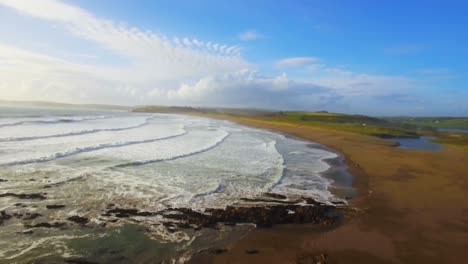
77, 133
88, 149
58, 121
144, 162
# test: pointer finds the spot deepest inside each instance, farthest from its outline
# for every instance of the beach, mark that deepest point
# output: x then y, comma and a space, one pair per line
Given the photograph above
411, 204
143, 187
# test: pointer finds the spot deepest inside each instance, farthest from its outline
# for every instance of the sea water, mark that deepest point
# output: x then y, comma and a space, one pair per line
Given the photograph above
88, 159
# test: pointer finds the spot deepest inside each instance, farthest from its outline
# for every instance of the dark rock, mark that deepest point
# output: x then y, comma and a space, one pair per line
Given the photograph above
313, 202
78, 261
261, 200
31, 216
275, 196
47, 187
27, 232
252, 251
46, 225
55, 206
261, 216
78, 219
4, 217
37, 196
338, 203
122, 213
18, 215
184, 226
218, 251
3, 180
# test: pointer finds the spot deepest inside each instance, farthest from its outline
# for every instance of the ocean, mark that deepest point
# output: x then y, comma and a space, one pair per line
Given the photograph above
85, 160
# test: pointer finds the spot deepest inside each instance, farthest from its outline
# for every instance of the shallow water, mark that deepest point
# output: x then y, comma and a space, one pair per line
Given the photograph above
89, 159
418, 143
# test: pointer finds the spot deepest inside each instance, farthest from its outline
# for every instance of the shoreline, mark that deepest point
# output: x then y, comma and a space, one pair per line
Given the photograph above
402, 218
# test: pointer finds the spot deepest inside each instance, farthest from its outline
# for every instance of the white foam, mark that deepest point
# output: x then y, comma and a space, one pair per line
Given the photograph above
170, 161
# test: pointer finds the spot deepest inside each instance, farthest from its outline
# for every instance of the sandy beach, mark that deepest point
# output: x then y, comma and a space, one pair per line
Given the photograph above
411, 207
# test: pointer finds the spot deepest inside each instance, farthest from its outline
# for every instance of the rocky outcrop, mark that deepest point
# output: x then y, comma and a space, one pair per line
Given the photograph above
261, 216
277, 209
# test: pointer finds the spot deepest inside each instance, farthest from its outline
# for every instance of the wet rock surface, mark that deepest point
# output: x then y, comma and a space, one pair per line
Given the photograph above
261, 216
31, 196
4, 217
275, 196
55, 206
78, 261
78, 219
46, 225
31, 216
274, 210
122, 213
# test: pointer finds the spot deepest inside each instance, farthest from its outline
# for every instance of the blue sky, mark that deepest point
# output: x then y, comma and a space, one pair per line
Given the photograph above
371, 57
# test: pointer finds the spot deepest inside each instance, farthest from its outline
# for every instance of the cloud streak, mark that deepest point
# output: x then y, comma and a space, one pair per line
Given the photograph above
296, 62
167, 58
250, 35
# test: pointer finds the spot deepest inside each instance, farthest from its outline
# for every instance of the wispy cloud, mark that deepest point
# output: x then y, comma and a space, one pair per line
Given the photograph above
296, 61
250, 35
167, 58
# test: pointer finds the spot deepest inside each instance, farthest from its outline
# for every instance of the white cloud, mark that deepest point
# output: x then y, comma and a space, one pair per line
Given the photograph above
167, 59
172, 71
296, 61
250, 35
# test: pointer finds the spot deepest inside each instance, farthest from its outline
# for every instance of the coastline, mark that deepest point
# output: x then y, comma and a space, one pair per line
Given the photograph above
408, 212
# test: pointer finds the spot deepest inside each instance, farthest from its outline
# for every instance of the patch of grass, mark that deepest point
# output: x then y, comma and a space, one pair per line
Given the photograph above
350, 123
438, 122
457, 139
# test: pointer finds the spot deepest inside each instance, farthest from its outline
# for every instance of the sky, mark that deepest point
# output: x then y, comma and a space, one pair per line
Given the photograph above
366, 57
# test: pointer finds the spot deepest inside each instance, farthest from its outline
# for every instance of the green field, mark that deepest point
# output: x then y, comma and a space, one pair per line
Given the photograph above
435, 122
351, 123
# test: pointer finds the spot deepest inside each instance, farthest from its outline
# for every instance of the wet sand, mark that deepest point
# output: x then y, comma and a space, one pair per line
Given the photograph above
412, 207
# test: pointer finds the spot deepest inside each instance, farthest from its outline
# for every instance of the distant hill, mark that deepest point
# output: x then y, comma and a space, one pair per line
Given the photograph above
62, 105
200, 110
